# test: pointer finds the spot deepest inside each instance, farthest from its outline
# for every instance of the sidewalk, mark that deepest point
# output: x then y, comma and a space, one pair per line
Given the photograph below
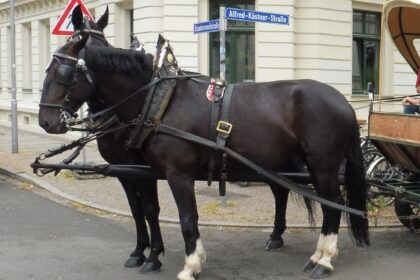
247, 206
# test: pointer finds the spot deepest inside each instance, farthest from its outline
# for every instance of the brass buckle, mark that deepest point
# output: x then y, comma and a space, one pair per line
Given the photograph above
224, 127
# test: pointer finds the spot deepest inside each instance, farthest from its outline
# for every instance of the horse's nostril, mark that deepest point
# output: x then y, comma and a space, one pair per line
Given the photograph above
44, 124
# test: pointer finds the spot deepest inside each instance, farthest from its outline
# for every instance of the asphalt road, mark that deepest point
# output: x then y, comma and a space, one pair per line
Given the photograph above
43, 239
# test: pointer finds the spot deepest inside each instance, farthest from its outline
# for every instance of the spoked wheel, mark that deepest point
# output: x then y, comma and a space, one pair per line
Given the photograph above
408, 214
380, 169
370, 155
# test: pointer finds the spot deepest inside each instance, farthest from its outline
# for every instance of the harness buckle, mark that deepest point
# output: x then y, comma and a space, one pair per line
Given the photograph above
224, 127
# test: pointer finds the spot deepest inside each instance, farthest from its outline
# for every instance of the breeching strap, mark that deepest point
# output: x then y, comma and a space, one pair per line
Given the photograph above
281, 180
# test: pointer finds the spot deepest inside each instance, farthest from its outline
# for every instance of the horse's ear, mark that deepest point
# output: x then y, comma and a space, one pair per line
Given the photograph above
160, 40
77, 18
103, 20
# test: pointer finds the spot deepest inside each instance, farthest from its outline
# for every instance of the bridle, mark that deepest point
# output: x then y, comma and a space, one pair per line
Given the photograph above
67, 76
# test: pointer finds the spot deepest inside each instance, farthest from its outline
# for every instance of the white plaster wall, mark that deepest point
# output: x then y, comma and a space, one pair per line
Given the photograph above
179, 17
275, 44
4, 60
148, 22
323, 42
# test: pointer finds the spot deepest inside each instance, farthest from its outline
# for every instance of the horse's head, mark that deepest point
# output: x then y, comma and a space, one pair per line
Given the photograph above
61, 98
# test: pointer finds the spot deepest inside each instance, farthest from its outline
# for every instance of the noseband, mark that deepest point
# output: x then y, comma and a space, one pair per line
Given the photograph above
66, 75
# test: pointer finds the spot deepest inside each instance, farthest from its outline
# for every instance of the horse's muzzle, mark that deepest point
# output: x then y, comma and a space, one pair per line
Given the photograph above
57, 128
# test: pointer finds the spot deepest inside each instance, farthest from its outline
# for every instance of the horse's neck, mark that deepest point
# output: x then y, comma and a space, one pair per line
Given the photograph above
96, 106
115, 90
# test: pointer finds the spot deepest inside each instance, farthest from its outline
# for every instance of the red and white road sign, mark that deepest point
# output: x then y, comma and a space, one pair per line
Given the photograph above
64, 25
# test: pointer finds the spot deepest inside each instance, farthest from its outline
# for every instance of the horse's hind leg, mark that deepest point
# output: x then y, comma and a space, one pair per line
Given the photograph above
150, 205
280, 198
137, 257
326, 183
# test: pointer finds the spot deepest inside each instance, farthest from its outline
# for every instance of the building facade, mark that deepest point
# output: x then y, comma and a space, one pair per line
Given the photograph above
333, 41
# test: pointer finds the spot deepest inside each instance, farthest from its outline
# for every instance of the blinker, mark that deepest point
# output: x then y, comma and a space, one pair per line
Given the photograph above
65, 74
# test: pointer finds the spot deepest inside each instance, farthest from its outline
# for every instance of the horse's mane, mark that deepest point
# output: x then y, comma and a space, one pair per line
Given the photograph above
118, 61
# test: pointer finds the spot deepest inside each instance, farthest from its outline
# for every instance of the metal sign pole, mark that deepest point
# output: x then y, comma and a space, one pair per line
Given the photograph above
13, 79
222, 49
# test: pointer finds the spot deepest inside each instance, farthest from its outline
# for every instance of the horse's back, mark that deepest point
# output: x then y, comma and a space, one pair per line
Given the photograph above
287, 117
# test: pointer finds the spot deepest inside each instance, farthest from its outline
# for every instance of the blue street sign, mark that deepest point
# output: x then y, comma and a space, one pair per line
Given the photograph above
255, 16
207, 26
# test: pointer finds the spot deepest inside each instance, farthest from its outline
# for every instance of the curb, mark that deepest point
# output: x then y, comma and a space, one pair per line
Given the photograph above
34, 180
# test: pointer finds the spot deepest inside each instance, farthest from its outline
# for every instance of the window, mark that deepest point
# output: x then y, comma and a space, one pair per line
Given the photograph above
240, 44
26, 58
44, 48
124, 24
1, 65
366, 44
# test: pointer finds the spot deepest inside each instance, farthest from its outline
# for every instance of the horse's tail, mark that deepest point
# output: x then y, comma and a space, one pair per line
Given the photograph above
356, 190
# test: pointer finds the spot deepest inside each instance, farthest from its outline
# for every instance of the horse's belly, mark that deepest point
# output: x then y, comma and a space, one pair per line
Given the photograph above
269, 151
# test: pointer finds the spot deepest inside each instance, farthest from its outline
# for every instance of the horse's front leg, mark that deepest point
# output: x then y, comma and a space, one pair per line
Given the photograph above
280, 198
137, 257
151, 209
182, 186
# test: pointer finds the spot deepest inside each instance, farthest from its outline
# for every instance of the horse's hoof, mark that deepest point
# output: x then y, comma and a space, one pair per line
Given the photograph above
135, 261
150, 267
320, 272
309, 266
274, 244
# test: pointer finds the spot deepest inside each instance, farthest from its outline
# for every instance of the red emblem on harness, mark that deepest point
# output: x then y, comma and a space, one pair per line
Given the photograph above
215, 90
210, 92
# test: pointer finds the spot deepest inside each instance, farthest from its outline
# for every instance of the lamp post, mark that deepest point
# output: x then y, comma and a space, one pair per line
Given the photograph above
13, 80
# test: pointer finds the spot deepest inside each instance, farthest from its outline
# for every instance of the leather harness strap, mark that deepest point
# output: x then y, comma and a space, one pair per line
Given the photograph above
214, 117
223, 128
220, 129
215, 93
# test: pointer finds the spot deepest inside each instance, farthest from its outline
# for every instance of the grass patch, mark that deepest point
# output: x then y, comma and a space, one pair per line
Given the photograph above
67, 174
214, 209
25, 186
87, 209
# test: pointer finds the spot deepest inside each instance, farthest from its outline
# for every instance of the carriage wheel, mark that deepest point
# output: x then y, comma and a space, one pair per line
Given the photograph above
370, 155
408, 214
380, 169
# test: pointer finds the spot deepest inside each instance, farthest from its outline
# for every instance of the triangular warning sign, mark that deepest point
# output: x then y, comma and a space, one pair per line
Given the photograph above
64, 25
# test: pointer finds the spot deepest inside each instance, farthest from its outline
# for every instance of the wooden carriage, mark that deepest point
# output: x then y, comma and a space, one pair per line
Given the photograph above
397, 135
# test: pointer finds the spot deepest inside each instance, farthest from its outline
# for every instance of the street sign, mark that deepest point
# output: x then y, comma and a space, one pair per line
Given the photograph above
64, 25
255, 16
207, 26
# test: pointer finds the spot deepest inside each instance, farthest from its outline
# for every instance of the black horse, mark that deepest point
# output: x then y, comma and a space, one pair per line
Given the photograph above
141, 194
273, 123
